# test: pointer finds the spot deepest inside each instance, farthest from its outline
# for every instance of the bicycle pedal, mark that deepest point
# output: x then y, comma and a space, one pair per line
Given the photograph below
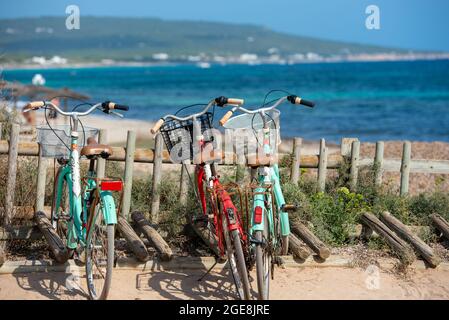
279, 261
80, 255
263, 243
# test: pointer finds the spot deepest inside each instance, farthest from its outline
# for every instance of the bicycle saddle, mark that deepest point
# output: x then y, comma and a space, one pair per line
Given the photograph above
93, 149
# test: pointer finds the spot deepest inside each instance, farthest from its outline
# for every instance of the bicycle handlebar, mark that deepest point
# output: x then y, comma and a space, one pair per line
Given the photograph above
106, 107
291, 98
220, 101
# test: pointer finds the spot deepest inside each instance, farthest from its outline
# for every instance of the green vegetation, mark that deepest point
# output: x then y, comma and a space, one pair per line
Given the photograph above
137, 39
332, 215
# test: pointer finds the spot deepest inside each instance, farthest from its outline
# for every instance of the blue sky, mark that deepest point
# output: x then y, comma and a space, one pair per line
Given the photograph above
414, 24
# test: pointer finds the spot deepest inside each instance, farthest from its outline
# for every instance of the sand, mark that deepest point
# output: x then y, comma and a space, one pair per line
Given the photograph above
290, 283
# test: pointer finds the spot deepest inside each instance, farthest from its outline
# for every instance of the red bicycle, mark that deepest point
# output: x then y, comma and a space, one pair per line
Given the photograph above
191, 137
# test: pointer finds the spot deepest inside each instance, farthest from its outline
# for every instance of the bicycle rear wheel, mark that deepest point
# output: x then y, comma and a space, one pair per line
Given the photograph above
99, 255
60, 217
236, 261
263, 262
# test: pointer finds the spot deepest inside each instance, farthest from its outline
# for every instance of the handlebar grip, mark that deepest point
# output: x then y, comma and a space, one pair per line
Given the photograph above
34, 105
298, 100
157, 126
226, 117
114, 106
221, 101
235, 101
307, 103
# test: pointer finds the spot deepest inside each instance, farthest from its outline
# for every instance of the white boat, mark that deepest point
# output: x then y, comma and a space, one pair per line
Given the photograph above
203, 65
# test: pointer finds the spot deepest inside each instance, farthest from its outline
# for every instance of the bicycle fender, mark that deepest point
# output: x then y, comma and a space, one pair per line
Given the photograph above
109, 210
285, 224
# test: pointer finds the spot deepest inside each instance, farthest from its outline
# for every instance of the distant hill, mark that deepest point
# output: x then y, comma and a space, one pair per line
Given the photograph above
130, 39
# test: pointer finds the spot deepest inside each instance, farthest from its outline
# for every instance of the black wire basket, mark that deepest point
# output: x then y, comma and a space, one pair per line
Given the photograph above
178, 136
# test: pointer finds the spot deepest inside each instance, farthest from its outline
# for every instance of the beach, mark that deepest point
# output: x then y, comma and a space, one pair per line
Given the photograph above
289, 284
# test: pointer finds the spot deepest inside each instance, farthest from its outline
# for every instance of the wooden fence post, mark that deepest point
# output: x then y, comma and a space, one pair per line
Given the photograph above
41, 181
240, 167
157, 173
296, 170
322, 166
129, 162
378, 163
229, 147
101, 163
354, 173
12, 170
405, 167
346, 146
184, 183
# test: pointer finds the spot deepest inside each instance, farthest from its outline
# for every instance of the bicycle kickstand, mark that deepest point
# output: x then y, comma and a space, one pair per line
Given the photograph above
208, 271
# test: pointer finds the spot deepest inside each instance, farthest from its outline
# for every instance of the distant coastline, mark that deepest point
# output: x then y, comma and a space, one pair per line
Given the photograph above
378, 57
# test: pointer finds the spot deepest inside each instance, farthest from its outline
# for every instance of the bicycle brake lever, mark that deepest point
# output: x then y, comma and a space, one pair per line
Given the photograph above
116, 114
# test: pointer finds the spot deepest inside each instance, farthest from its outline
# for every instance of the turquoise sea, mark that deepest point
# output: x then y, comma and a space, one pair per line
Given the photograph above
372, 101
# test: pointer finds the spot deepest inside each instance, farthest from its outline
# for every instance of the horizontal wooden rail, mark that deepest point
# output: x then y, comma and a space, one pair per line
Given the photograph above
147, 155
416, 165
306, 161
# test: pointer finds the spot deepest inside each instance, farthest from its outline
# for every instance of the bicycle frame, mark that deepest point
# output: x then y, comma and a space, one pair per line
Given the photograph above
70, 173
268, 177
206, 172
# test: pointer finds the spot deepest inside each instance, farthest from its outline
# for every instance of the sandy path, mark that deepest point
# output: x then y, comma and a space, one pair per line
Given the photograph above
292, 283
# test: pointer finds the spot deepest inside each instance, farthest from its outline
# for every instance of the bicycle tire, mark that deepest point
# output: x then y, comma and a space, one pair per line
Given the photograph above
263, 263
237, 263
284, 245
59, 223
96, 292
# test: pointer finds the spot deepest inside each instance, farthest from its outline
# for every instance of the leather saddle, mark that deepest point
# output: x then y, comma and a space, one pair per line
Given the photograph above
93, 149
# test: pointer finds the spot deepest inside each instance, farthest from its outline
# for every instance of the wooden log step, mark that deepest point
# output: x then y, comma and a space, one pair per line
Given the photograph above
153, 236
399, 246
57, 246
441, 224
310, 239
406, 234
132, 239
208, 238
298, 248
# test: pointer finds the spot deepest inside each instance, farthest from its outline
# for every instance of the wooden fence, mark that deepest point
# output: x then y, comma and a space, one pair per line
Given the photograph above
349, 151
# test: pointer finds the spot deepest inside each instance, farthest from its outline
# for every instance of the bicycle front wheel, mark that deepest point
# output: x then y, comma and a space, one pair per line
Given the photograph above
99, 256
236, 261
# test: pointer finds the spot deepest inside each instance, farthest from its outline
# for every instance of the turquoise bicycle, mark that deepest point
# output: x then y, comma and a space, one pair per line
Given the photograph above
87, 222
269, 223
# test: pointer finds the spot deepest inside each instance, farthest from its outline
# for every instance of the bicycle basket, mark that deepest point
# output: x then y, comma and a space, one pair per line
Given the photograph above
178, 136
251, 125
52, 147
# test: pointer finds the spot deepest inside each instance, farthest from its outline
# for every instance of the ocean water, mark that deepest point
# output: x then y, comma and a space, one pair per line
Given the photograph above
371, 101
